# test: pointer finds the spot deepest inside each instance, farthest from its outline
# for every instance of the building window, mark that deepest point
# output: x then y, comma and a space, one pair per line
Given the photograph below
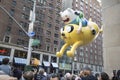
95, 51
42, 16
41, 23
75, 65
55, 42
20, 32
26, 17
5, 51
86, 54
24, 24
23, 15
50, 18
43, 1
21, 42
76, 5
7, 39
20, 54
91, 57
12, 12
56, 28
55, 49
39, 29
76, 0
48, 48
95, 57
49, 25
8, 30
57, 21
35, 55
25, 8
81, 59
48, 40
91, 51
48, 33
14, 3
51, 5
53, 59
10, 20
81, 8
81, 53
56, 35
51, 12
45, 57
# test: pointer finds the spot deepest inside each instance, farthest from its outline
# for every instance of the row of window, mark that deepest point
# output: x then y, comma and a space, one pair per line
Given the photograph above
23, 54
91, 61
25, 43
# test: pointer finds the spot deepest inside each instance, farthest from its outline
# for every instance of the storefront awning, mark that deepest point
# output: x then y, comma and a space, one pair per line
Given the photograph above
20, 60
55, 65
46, 64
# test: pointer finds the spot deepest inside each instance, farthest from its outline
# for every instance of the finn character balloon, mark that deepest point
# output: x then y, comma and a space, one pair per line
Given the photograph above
70, 16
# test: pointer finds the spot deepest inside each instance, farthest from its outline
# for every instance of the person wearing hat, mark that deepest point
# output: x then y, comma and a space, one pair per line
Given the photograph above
87, 72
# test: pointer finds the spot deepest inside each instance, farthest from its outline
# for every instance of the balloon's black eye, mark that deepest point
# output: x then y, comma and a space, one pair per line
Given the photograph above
69, 28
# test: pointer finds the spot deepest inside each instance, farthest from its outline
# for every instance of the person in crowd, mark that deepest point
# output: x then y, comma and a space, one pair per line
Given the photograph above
28, 75
5, 67
87, 74
40, 75
68, 76
77, 78
103, 76
114, 75
7, 77
97, 75
62, 76
118, 74
55, 77
73, 77
81, 74
17, 73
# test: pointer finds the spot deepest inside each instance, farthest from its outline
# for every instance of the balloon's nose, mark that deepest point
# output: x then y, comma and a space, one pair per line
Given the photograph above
63, 34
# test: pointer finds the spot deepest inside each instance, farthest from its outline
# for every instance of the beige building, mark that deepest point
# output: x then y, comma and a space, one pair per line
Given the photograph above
111, 37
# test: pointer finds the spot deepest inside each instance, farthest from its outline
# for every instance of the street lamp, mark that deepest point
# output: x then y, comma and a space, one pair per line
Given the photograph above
30, 31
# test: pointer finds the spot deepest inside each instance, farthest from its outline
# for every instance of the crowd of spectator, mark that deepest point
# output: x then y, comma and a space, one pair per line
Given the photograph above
14, 73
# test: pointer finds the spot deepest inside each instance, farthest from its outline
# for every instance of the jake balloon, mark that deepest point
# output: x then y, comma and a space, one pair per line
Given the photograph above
75, 35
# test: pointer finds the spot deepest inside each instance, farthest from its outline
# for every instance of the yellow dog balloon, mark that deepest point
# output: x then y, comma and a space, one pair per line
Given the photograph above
72, 38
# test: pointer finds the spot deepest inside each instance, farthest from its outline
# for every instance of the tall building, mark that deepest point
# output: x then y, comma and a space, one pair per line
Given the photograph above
111, 37
13, 40
92, 54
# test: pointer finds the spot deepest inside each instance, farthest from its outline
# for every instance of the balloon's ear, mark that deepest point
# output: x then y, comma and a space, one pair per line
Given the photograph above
60, 13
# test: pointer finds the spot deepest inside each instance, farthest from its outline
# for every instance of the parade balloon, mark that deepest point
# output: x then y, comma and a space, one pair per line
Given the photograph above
72, 38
